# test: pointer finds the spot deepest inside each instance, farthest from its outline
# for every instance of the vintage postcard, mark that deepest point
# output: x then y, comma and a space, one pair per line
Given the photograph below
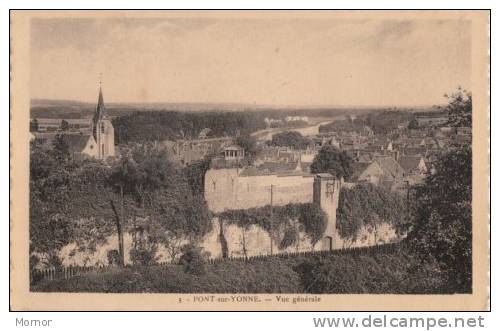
249, 160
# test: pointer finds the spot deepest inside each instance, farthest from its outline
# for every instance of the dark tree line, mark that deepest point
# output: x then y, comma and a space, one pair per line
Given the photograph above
154, 125
291, 139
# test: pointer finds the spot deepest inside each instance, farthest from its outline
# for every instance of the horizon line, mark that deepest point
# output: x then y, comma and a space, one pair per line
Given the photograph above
252, 105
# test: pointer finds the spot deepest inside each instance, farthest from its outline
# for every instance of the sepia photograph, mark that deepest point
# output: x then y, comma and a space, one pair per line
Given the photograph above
249, 160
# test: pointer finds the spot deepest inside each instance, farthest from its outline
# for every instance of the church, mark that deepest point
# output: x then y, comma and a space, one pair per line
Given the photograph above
100, 143
103, 131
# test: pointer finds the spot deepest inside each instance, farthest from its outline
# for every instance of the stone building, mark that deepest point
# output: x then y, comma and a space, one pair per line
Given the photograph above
103, 131
234, 188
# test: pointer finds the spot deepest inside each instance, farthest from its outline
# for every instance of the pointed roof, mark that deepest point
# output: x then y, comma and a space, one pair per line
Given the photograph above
409, 163
100, 111
100, 108
77, 142
390, 167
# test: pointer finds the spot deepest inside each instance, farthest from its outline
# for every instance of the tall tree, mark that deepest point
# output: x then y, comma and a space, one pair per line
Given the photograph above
290, 139
60, 148
64, 125
34, 125
443, 225
331, 160
250, 145
459, 108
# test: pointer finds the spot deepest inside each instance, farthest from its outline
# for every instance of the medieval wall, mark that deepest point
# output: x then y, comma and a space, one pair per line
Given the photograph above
225, 189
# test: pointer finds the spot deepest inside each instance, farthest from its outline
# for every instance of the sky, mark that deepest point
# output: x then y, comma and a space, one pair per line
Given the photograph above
296, 62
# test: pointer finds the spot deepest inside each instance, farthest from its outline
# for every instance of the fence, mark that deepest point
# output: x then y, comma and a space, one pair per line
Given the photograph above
72, 271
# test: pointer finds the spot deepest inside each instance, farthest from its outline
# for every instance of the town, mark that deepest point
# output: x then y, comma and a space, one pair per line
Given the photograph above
285, 184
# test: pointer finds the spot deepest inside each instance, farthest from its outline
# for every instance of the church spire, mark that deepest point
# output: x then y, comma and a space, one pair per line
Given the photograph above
100, 101
100, 109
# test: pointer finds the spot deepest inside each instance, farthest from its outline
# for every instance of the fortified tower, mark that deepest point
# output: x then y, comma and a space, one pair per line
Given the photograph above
326, 194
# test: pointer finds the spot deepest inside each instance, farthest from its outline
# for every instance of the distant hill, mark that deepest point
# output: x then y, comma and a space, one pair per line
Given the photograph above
45, 108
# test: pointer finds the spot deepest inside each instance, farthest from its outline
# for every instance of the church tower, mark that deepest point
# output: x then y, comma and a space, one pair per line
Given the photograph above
103, 131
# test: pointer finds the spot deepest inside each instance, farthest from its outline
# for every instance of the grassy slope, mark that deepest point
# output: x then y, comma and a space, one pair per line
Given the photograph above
372, 273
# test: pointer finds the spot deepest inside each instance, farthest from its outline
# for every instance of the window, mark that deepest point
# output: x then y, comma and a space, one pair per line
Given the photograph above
102, 127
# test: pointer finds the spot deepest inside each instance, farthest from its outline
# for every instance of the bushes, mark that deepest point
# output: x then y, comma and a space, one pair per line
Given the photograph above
379, 273
372, 271
192, 260
367, 204
291, 139
280, 220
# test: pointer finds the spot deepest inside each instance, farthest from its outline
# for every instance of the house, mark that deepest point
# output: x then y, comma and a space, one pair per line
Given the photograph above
234, 153
382, 169
82, 145
413, 165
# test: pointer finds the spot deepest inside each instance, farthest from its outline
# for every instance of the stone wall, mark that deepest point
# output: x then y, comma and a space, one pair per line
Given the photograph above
225, 189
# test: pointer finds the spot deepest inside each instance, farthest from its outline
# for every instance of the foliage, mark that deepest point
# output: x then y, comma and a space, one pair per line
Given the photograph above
380, 121
34, 125
394, 273
331, 160
67, 204
60, 148
144, 256
397, 272
291, 139
278, 220
443, 224
169, 125
164, 209
192, 260
249, 143
195, 175
367, 204
347, 125
459, 108
64, 125
386, 121
72, 202
413, 124
290, 237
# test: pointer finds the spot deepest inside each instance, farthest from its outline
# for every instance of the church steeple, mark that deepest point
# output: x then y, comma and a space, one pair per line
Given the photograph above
103, 131
100, 101
100, 110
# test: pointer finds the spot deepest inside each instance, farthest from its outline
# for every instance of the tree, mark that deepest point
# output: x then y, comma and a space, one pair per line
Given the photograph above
331, 160
60, 148
67, 205
367, 204
64, 125
34, 125
291, 139
164, 208
459, 108
195, 174
443, 224
85, 202
413, 124
249, 143
193, 260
